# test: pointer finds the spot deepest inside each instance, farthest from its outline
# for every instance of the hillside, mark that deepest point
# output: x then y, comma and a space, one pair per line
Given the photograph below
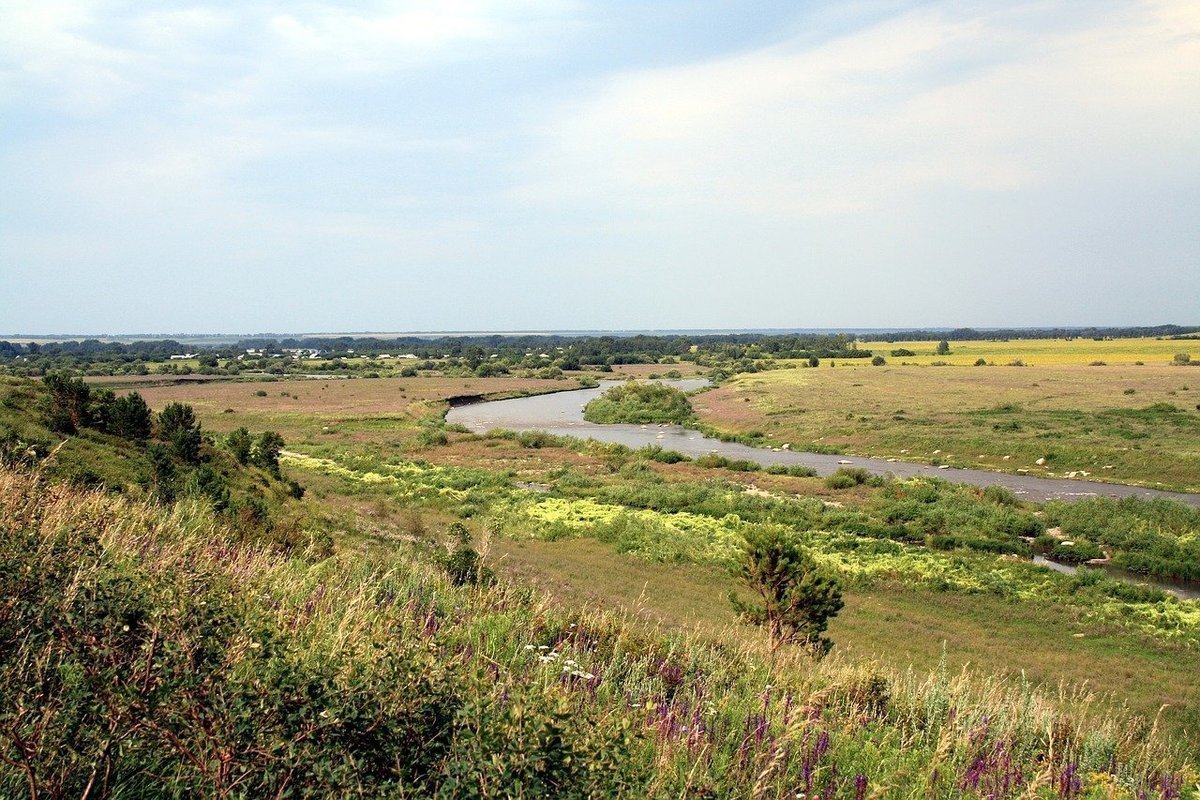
146, 653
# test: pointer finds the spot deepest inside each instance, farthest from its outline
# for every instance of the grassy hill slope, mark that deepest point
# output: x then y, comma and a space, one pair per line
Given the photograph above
145, 652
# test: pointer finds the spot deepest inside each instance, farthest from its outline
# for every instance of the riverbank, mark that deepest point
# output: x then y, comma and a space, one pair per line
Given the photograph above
561, 414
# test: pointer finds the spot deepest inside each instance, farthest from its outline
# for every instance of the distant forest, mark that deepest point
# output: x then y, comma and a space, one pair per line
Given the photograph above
568, 351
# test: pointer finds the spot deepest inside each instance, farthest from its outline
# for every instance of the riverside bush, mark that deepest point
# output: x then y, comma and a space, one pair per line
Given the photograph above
1153, 537
640, 404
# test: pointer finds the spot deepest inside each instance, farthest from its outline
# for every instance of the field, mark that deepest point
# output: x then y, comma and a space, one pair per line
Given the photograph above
899, 618
246, 672
1120, 423
1040, 352
320, 411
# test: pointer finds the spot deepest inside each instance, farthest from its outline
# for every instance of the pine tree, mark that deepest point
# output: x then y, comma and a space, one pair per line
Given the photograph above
796, 599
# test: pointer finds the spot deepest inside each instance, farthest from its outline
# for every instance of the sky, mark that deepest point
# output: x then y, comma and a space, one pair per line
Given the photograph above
309, 166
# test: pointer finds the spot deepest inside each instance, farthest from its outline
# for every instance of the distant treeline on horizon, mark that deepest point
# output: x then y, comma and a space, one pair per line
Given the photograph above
584, 345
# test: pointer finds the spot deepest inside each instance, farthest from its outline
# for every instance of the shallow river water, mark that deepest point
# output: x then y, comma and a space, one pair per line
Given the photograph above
561, 414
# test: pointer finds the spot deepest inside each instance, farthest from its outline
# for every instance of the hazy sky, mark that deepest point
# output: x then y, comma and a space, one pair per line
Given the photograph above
265, 165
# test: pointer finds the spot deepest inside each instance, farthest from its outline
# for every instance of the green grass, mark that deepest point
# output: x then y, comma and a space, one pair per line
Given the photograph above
224, 670
641, 522
1123, 424
893, 625
703, 523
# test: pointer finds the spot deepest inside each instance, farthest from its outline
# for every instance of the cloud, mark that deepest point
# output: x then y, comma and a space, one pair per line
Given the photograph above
84, 57
44, 46
937, 97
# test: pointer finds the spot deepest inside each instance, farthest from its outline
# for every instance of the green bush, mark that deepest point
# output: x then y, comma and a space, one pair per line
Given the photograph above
656, 453
847, 477
640, 404
717, 461
794, 470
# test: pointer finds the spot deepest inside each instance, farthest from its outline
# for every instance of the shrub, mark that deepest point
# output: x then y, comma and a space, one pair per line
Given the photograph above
463, 564
794, 470
1182, 358
431, 436
640, 404
878, 361
656, 453
129, 417
266, 451
177, 425
69, 399
847, 477
902, 352
1000, 495
1076, 552
535, 440
717, 461
981, 362
240, 443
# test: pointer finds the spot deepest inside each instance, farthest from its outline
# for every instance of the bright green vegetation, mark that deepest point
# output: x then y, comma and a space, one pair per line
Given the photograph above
1155, 537
901, 537
399, 643
147, 653
640, 404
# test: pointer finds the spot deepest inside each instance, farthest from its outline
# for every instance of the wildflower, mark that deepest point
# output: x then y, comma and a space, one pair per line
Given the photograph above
529, 647
543, 647
254, 645
125, 628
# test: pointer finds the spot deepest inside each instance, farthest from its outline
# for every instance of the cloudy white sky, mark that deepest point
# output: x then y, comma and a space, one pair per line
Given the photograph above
518, 164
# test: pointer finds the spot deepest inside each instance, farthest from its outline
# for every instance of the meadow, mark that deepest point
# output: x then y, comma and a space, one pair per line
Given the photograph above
614, 525
606, 659
144, 645
1122, 423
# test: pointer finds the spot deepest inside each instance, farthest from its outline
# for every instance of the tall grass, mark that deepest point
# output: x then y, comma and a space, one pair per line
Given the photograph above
144, 652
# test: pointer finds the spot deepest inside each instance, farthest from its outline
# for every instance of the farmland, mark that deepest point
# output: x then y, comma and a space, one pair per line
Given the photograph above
635, 548
1123, 423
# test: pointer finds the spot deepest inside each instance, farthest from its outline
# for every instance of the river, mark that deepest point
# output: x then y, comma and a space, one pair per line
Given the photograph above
561, 413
